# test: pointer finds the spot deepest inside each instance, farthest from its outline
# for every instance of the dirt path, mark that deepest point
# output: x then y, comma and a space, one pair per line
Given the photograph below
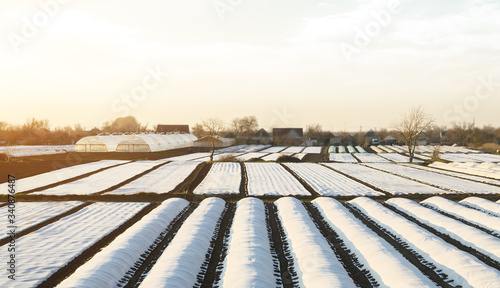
362, 278
427, 268
85, 255
193, 180
138, 272
219, 248
281, 248
244, 180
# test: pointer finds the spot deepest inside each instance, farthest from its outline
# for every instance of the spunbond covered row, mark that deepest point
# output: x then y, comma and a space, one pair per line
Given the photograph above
249, 262
478, 218
182, 261
463, 268
388, 266
107, 267
481, 204
315, 262
467, 235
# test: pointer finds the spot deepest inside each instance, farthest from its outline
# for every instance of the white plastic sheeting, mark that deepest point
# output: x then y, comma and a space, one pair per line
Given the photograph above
467, 235
181, 262
108, 266
272, 179
328, 182
315, 262
342, 157
249, 262
481, 204
371, 158
461, 267
386, 265
478, 218
223, 178
65, 240
134, 143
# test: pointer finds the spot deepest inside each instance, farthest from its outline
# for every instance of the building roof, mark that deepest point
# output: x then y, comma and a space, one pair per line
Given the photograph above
288, 132
371, 134
172, 128
261, 133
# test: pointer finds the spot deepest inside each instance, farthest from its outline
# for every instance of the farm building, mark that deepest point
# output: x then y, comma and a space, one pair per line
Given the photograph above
260, 137
389, 140
99, 143
172, 128
219, 142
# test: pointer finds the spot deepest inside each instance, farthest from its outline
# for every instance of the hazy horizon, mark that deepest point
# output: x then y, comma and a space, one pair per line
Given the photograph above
289, 63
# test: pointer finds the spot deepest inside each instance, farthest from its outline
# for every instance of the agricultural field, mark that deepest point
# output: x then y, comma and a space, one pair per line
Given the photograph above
184, 222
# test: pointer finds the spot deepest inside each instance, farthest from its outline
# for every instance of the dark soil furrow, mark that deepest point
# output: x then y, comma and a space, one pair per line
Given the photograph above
193, 180
482, 257
281, 248
87, 254
361, 277
140, 269
45, 223
218, 248
244, 180
426, 267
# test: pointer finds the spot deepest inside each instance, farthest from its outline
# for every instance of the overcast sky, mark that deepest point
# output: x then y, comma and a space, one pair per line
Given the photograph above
342, 64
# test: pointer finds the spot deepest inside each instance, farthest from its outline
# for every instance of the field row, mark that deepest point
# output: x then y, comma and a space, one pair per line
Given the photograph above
288, 243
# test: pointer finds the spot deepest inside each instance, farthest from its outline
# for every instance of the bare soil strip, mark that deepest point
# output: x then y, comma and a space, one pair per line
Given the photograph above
45, 223
131, 179
360, 181
70, 180
218, 249
361, 277
427, 268
281, 248
460, 219
138, 272
193, 180
244, 180
485, 259
71, 267
302, 181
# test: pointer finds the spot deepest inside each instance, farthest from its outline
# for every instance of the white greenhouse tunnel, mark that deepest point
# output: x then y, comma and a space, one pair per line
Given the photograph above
134, 143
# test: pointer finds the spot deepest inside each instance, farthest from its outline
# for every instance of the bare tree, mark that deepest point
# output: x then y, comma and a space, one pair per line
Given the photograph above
212, 128
245, 126
413, 124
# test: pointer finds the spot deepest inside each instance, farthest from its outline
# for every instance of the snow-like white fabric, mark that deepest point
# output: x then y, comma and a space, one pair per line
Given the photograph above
181, 262
386, 265
272, 179
328, 182
484, 205
315, 262
249, 262
342, 157
108, 266
461, 267
223, 178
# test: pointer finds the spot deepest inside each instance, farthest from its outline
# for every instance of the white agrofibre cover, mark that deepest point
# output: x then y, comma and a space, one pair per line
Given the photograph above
469, 236
387, 265
479, 218
463, 268
456, 174
181, 262
108, 266
223, 178
371, 158
314, 260
328, 182
249, 262
481, 204
44, 179
272, 179
343, 157
56, 244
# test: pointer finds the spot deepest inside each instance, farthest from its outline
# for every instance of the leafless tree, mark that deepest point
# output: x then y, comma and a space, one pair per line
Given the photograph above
245, 126
413, 124
212, 128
